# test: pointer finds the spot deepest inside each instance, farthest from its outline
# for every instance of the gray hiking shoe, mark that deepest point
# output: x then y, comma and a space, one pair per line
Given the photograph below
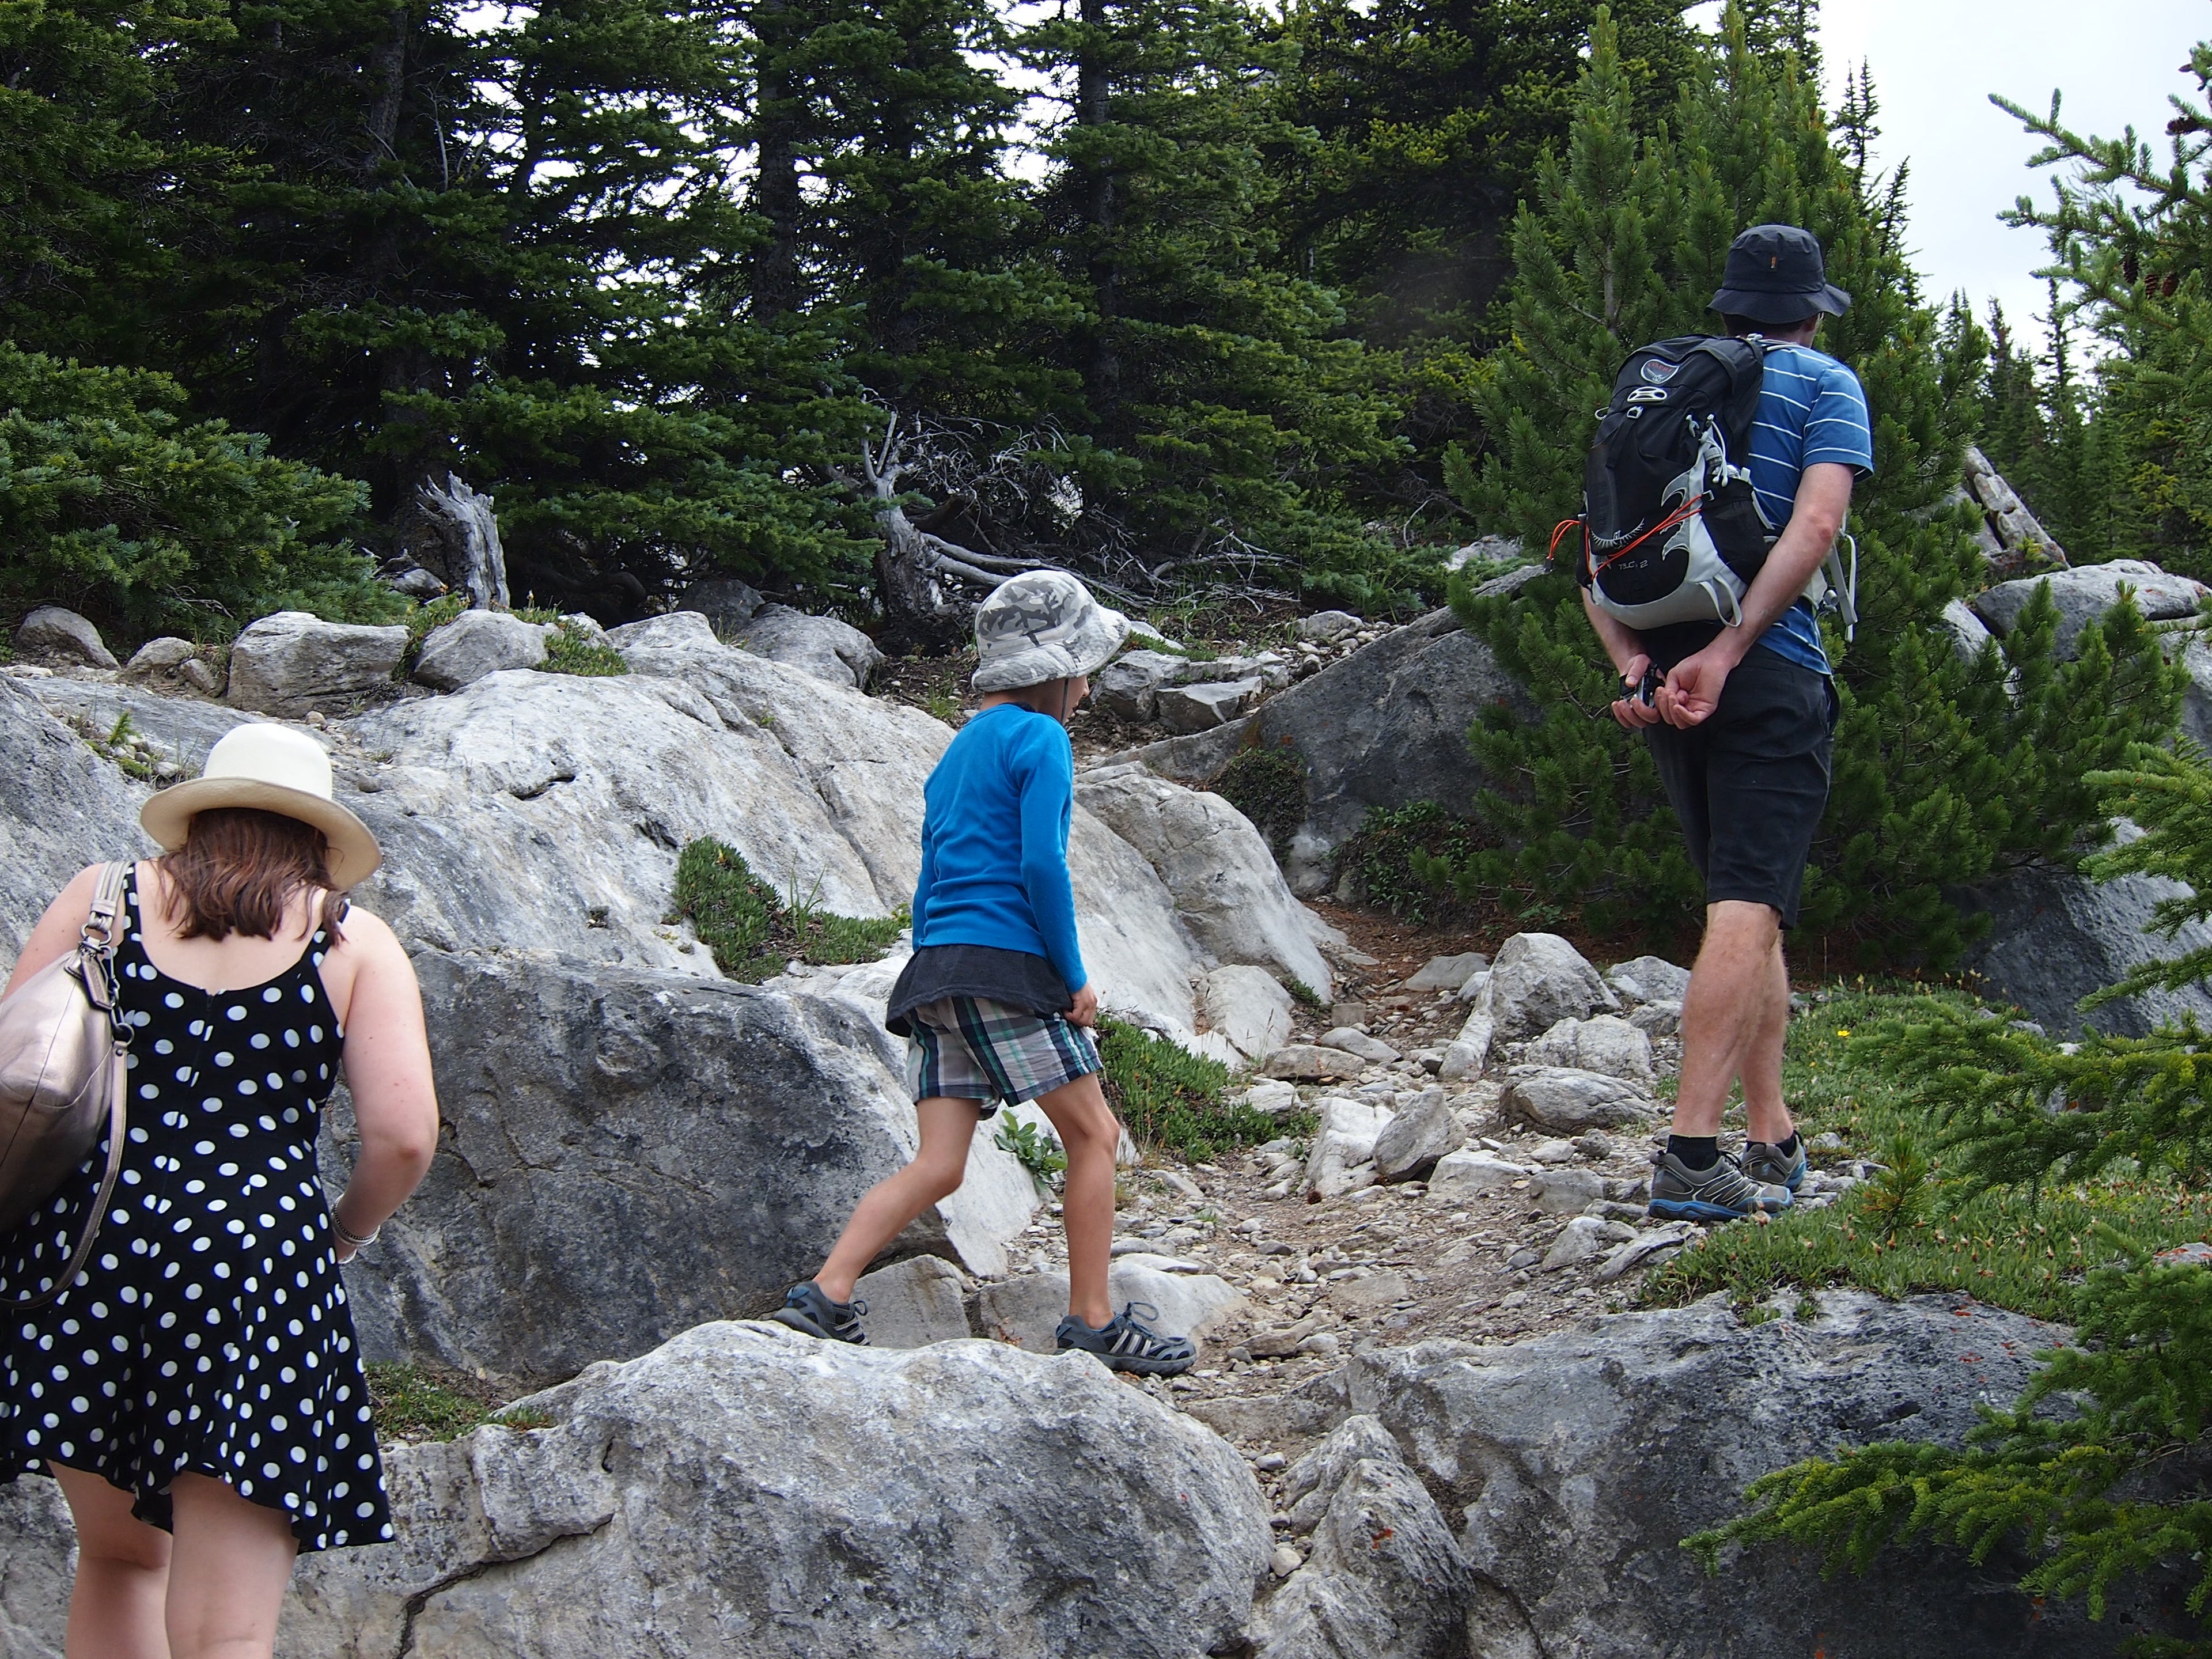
1125, 1346
1770, 1166
1723, 1192
807, 1308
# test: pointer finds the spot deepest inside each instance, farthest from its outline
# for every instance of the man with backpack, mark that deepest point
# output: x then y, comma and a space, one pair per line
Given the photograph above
1715, 497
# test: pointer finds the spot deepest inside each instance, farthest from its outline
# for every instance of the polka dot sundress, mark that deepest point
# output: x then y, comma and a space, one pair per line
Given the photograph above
208, 1333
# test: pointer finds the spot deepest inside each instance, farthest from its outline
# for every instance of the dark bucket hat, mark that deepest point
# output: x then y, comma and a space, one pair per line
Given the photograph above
1775, 274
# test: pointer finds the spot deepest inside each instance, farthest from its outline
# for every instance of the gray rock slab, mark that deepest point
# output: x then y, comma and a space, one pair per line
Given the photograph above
1606, 1043
1384, 726
1027, 1310
53, 634
1566, 1190
1324, 626
1307, 1062
1571, 1102
38, 1568
1539, 980
745, 1490
1353, 1041
1248, 1007
2195, 723
2056, 937
725, 601
1658, 1019
293, 662
626, 1154
182, 728
1224, 881
1967, 632
1385, 1578
1128, 688
1578, 1461
1648, 979
63, 807
823, 647
2085, 592
1422, 1132
1197, 708
1447, 973
914, 1303
477, 643
1471, 1173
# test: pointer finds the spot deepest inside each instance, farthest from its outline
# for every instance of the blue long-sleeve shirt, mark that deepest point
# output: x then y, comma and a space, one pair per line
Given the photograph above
994, 829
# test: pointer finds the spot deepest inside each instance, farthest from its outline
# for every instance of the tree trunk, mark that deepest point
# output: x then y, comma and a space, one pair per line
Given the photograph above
917, 572
469, 531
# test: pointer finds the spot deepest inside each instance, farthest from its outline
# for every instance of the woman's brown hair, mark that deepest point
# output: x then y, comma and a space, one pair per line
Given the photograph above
239, 868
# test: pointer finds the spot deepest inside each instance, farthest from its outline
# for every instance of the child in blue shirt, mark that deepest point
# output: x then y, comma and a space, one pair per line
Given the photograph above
995, 1004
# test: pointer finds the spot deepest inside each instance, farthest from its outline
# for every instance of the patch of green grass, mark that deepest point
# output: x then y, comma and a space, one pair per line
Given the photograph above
752, 933
1267, 786
1170, 1098
942, 706
1911, 1228
412, 1403
1305, 996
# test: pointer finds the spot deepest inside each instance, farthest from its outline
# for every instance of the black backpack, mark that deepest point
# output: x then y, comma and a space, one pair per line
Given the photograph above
1671, 531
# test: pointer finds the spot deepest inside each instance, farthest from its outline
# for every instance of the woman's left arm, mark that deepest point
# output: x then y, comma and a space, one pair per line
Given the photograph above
59, 930
387, 1071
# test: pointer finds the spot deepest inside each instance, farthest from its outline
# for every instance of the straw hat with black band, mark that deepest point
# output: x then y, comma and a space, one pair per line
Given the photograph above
271, 768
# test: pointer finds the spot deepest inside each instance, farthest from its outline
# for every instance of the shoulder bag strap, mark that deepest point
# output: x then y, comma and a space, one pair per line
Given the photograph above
106, 899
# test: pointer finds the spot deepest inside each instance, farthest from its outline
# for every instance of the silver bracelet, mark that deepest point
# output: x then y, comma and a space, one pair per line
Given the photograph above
355, 1240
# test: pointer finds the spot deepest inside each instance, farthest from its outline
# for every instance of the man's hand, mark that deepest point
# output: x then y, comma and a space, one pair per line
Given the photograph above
1631, 711
1082, 1009
1692, 691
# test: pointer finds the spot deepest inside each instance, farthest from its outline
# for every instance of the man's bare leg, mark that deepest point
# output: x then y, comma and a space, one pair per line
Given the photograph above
1733, 1021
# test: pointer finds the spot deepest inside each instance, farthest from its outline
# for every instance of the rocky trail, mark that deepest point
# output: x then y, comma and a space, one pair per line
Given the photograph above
1432, 1418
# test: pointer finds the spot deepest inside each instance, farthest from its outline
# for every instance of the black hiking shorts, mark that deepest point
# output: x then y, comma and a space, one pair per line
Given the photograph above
1750, 784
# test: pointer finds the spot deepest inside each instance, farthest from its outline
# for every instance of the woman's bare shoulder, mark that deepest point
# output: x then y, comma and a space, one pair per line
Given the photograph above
369, 935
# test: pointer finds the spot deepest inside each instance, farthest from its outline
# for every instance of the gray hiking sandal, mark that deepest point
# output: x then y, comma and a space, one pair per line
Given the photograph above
805, 1308
1723, 1192
1125, 1346
1768, 1165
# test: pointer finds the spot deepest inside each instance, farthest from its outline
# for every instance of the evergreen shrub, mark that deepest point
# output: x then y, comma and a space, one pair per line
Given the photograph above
113, 502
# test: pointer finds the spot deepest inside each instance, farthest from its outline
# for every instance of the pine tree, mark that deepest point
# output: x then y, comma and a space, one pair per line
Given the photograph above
1223, 410
2129, 240
1940, 773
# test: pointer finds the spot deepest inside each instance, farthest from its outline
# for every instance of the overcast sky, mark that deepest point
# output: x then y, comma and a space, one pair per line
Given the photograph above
1935, 63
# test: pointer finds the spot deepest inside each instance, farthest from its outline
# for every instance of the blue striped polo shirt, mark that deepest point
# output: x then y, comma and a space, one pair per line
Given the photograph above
1810, 410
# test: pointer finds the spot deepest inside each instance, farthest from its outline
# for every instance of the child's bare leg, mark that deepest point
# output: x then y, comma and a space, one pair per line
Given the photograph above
948, 1126
1090, 1134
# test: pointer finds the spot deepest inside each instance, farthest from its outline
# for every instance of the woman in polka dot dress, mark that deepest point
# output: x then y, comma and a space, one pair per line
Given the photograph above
196, 1390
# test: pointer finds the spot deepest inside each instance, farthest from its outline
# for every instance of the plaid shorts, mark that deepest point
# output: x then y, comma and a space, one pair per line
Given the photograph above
973, 1048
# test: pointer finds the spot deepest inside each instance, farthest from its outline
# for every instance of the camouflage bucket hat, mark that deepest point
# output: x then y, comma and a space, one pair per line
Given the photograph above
1042, 625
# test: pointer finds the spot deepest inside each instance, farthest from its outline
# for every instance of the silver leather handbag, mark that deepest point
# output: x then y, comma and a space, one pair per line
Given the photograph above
65, 1048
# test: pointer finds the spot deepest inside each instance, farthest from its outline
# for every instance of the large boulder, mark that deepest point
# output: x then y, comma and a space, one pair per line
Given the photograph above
1385, 1578
1539, 980
748, 1490
627, 1153
1384, 726
1225, 881
2084, 594
821, 646
1568, 1101
1249, 1008
477, 643
294, 662
53, 634
2055, 937
63, 808
1579, 1461
1607, 1044
173, 665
